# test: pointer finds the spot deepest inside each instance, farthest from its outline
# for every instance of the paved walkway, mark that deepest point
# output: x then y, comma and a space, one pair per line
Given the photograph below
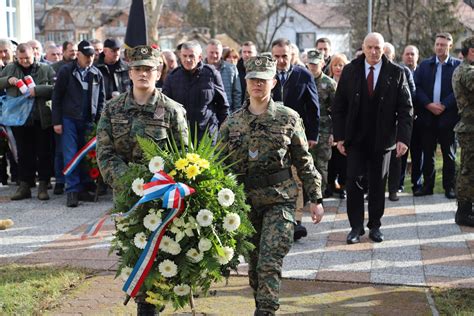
423, 247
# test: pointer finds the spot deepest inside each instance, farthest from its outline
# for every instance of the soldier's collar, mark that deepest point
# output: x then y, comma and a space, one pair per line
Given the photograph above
148, 107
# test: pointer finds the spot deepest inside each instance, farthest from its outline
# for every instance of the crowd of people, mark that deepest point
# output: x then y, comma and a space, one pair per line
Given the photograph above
318, 121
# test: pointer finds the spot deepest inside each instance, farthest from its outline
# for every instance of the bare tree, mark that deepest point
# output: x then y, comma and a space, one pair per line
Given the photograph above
275, 14
153, 13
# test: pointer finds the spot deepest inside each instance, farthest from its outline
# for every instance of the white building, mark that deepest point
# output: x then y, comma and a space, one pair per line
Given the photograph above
304, 23
17, 20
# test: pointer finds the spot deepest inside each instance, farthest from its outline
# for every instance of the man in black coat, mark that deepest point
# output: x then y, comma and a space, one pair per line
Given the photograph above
372, 115
199, 88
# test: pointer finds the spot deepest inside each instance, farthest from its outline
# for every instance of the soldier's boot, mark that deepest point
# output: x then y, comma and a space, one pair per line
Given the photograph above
23, 192
43, 191
259, 312
300, 231
464, 214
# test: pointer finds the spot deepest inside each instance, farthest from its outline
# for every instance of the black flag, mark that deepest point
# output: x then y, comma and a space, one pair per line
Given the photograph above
136, 33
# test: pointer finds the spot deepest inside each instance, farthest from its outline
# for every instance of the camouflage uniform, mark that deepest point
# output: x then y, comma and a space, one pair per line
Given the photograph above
463, 87
326, 92
266, 146
123, 120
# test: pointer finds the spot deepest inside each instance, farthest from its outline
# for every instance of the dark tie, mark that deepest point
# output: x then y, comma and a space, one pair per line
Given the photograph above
282, 78
370, 81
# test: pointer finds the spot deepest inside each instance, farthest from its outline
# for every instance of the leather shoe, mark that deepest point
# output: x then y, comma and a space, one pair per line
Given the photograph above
376, 235
354, 236
423, 191
86, 196
72, 199
450, 194
300, 232
393, 196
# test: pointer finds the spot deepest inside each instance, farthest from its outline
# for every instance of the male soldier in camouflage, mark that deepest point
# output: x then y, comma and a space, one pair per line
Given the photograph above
144, 111
267, 138
463, 87
326, 91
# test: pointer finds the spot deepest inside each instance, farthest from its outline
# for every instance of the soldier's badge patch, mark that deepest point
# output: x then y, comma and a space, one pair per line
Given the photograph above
253, 154
324, 85
144, 50
159, 113
258, 62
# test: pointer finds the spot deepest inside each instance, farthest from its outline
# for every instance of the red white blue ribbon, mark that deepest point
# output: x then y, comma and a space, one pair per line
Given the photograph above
95, 227
172, 193
71, 165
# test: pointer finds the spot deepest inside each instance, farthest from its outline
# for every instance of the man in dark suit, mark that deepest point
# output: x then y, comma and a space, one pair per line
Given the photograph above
296, 89
437, 114
372, 115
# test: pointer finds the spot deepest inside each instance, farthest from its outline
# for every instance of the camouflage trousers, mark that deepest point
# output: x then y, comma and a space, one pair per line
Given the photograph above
273, 239
321, 155
465, 177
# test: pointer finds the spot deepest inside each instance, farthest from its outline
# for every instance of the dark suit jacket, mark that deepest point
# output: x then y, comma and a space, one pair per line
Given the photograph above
300, 93
392, 99
424, 80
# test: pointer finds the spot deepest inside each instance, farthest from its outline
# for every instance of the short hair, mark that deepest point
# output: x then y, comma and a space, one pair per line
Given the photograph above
323, 40
248, 43
194, 45
214, 42
7, 43
66, 44
445, 35
95, 41
337, 58
414, 48
51, 47
281, 42
23, 47
390, 47
228, 52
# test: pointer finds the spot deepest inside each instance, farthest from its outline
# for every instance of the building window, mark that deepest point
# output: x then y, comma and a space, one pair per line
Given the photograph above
305, 40
10, 10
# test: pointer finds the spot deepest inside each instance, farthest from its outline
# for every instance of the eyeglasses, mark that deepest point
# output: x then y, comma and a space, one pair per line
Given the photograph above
144, 69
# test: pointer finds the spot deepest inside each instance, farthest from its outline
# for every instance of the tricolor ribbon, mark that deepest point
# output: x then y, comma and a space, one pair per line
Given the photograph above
94, 227
172, 193
71, 165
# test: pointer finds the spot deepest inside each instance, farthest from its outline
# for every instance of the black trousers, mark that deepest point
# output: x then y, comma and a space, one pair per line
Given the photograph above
446, 138
362, 161
416, 154
337, 166
396, 173
34, 152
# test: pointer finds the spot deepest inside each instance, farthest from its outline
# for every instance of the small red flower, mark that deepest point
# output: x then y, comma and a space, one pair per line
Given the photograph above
94, 173
92, 153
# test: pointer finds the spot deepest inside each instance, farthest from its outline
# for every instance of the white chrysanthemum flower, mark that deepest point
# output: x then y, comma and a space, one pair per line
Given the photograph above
231, 222
174, 249
194, 255
123, 227
204, 218
166, 243
151, 221
137, 186
156, 164
226, 197
181, 289
204, 244
228, 255
140, 240
179, 236
125, 273
168, 268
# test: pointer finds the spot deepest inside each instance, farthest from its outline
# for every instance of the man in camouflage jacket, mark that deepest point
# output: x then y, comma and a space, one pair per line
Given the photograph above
266, 139
463, 86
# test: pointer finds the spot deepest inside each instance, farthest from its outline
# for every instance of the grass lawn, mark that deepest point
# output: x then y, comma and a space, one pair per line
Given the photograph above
30, 290
454, 302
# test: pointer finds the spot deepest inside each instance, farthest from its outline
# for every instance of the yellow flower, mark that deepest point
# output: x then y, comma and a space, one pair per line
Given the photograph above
153, 301
193, 157
181, 163
203, 163
172, 173
192, 171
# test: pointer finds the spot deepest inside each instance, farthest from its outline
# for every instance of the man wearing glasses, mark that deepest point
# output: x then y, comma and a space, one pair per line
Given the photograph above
143, 111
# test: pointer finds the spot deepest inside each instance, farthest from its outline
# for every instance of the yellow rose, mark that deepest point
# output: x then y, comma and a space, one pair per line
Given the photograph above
192, 171
203, 163
194, 158
181, 163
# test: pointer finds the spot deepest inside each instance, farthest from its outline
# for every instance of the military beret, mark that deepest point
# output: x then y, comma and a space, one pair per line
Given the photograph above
315, 56
143, 55
467, 43
260, 67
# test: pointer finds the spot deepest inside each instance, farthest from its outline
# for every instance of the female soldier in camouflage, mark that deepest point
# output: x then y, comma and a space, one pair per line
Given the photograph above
267, 138
144, 111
